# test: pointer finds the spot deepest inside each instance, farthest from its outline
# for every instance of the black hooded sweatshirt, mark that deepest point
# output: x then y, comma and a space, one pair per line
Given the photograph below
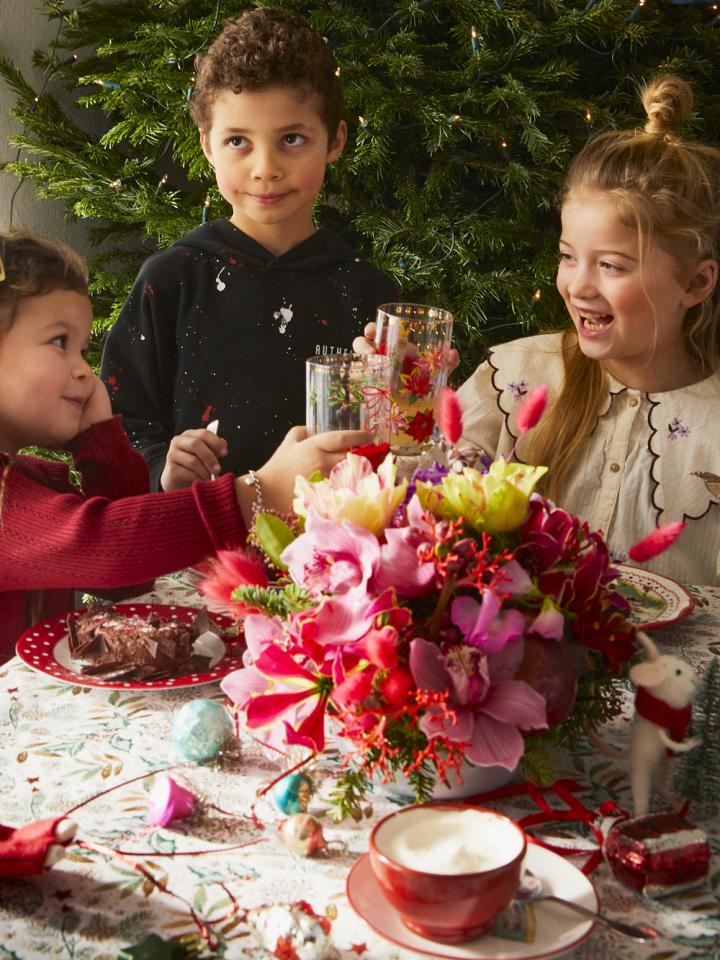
216, 327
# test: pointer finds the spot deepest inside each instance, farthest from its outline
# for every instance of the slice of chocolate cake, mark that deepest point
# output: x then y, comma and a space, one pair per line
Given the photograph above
112, 644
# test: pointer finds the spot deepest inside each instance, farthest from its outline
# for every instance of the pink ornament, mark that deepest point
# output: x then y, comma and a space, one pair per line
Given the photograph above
169, 801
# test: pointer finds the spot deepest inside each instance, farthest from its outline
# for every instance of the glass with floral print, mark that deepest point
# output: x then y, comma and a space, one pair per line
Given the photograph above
349, 391
416, 338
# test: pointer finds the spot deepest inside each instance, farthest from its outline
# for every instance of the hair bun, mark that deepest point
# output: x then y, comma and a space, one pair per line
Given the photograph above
668, 101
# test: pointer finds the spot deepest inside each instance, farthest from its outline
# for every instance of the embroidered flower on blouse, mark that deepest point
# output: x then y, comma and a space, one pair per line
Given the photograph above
677, 429
518, 389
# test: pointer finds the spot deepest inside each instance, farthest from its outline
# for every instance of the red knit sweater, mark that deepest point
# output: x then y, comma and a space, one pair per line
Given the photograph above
115, 534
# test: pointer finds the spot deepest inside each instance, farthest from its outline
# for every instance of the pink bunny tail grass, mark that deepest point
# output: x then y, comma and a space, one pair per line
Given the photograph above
655, 542
531, 409
450, 415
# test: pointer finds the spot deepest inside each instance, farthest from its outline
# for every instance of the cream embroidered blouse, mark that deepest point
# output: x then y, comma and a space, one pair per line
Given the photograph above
636, 473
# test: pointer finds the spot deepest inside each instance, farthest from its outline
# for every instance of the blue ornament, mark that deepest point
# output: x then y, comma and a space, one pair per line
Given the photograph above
200, 729
292, 794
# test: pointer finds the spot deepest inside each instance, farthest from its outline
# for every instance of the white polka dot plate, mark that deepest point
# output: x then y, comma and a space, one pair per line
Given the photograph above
45, 648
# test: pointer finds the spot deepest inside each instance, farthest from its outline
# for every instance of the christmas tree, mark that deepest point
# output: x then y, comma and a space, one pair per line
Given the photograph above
463, 116
697, 773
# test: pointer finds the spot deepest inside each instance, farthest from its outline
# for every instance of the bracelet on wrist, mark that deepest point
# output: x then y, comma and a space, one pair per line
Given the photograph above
252, 480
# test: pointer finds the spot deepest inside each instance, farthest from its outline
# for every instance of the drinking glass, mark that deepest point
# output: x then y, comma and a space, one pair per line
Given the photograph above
416, 338
348, 391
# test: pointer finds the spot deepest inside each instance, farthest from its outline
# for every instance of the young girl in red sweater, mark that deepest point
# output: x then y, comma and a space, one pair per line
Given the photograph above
55, 539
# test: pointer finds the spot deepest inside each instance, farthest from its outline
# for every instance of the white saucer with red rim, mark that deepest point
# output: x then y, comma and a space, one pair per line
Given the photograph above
557, 929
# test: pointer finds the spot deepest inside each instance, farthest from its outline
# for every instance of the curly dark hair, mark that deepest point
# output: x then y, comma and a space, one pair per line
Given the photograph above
33, 266
263, 48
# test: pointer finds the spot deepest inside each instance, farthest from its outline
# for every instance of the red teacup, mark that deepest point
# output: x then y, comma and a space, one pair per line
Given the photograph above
448, 868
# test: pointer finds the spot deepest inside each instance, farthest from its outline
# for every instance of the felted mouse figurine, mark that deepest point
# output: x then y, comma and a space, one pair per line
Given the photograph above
28, 850
665, 687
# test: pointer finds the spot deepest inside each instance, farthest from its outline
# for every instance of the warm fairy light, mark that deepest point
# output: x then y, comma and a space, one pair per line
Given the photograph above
588, 116
207, 201
337, 71
473, 33
116, 183
362, 121
537, 295
504, 144
455, 117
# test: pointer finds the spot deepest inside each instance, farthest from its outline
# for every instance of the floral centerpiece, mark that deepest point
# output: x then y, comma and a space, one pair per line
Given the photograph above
461, 618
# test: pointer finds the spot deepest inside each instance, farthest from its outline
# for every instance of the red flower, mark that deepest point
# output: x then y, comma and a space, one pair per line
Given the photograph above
417, 383
450, 415
655, 542
421, 426
531, 409
374, 452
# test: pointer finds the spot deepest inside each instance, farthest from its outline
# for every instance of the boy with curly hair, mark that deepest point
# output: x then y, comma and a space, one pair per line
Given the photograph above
217, 326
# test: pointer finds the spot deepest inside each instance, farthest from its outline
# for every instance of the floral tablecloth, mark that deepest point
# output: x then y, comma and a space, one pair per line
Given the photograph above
60, 744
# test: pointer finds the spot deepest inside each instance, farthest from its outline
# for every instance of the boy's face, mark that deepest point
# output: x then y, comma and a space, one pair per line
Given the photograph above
269, 148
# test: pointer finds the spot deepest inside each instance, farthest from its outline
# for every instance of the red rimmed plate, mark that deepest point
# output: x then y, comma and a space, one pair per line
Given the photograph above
44, 647
655, 600
557, 929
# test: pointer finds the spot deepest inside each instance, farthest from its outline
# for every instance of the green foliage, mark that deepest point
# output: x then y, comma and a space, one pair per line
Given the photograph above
347, 798
274, 601
449, 179
273, 535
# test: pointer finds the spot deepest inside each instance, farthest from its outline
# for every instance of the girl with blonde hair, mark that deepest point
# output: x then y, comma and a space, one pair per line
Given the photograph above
634, 384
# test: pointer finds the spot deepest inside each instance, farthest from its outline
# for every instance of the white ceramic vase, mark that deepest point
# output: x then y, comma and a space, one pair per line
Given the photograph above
474, 780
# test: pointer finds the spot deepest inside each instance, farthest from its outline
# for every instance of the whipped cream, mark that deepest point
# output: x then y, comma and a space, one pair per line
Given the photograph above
448, 841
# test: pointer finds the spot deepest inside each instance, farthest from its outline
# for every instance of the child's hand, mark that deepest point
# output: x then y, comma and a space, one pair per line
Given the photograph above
97, 406
298, 454
193, 455
366, 344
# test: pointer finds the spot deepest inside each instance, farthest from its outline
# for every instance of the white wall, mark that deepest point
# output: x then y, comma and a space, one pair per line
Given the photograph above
24, 27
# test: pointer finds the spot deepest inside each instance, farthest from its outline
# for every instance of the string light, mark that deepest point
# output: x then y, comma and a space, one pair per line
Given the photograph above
161, 184
536, 298
505, 147
337, 71
362, 121
454, 118
588, 122
206, 208
474, 41
108, 84
637, 12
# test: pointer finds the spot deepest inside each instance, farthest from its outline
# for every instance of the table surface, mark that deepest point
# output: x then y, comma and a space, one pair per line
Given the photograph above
60, 744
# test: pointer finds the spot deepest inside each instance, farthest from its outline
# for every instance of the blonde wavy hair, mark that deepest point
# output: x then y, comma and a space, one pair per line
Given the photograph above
667, 189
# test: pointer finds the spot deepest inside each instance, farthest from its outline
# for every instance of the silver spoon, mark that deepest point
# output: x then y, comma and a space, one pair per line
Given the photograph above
531, 889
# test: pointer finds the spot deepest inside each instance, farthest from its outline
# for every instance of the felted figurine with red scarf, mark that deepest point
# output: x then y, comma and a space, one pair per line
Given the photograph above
26, 851
665, 688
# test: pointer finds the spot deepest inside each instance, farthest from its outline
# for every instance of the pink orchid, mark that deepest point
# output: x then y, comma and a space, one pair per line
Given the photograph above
489, 710
401, 567
332, 558
483, 625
